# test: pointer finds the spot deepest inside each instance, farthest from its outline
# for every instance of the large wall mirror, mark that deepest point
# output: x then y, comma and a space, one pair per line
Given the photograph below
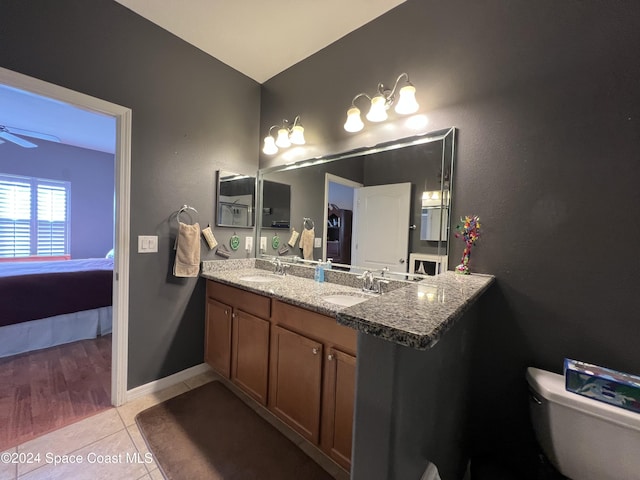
235, 200
386, 206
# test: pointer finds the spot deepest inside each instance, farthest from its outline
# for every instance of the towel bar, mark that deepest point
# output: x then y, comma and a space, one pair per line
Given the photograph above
307, 221
183, 209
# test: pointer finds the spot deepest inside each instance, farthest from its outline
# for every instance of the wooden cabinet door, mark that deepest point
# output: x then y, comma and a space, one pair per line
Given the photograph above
217, 347
340, 378
250, 363
295, 382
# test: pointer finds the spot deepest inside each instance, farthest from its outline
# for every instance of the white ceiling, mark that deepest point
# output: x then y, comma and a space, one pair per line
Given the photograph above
72, 125
257, 38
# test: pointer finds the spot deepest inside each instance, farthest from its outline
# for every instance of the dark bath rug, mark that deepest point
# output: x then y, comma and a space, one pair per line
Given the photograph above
209, 433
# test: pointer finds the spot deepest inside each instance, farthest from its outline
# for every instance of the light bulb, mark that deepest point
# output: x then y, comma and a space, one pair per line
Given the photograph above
283, 138
354, 122
378, 111
269, 147
407, 103
297, 135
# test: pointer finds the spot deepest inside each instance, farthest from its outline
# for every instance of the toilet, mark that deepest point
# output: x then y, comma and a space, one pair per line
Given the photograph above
583, 438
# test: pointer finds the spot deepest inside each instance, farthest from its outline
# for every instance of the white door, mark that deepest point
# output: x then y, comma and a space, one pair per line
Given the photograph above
381, 227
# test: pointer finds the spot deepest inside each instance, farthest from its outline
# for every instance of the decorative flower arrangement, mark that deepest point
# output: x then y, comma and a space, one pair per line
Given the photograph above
470, 232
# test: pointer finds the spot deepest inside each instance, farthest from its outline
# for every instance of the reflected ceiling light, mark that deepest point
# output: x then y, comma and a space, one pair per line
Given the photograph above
286, 137
380, 103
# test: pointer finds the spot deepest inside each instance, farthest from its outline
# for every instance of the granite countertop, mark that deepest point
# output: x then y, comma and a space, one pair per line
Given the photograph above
415, 314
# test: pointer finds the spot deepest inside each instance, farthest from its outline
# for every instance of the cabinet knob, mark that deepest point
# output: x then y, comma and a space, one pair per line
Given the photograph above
226, 312
314, 350
233, 315
330, 357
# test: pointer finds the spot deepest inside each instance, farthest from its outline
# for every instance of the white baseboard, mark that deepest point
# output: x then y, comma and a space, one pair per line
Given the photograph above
166, 382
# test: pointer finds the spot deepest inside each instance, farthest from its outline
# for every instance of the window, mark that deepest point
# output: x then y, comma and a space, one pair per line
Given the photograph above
34, 217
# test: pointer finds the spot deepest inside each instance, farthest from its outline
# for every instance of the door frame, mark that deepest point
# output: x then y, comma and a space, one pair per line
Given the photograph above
122, 163
330, 178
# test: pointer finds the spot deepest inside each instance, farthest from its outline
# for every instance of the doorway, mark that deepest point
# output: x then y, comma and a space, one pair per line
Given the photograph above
120, 301
338, 197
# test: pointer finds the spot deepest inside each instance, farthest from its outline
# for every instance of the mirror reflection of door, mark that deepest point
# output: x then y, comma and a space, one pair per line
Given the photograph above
338, 224
381, 226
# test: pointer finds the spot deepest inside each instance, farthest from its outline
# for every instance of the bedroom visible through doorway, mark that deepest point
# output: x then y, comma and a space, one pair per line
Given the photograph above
97, 223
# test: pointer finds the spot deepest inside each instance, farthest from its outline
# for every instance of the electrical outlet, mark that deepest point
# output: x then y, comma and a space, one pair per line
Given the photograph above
317, 242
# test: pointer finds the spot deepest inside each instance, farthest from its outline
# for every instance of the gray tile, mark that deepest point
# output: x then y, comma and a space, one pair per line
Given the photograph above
70, 438
141, 445
111, 457
129, 410
156, 475
8, 469
202, 379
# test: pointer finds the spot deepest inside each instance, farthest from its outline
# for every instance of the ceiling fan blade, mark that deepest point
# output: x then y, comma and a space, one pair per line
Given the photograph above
17, 140
30, 133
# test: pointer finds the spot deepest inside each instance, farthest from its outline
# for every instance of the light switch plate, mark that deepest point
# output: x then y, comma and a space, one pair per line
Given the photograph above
263, 243
248, 243
317, 242
147, 244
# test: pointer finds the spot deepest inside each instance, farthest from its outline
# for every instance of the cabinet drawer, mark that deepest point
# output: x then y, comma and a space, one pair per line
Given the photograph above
314, 325
249, 302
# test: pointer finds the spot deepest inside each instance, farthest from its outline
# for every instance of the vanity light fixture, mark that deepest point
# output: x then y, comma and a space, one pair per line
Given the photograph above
381, 102
286, 137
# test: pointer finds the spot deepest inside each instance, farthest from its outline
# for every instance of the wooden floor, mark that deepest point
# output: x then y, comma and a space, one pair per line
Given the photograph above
48, 389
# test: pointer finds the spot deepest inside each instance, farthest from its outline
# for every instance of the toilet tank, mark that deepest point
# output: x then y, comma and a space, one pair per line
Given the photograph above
583, 438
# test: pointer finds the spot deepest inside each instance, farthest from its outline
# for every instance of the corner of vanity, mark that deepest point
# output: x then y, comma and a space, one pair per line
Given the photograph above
412, 383
407, 351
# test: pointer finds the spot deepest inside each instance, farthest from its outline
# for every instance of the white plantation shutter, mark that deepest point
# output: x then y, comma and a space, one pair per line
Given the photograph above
15, 218
34, 217
52, 219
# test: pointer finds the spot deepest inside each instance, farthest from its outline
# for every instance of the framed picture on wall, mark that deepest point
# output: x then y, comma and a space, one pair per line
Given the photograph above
427, 264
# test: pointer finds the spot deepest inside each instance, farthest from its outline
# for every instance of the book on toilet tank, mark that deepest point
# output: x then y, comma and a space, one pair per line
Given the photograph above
603, 384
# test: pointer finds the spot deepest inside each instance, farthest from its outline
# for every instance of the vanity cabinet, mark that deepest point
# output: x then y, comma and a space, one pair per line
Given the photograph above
339, 400
217, 332
312, 377
237, 337
250, 354
298, 363
296, 381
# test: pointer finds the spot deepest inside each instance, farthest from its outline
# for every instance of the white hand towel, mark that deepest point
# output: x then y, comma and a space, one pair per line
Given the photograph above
187, 262
306, 243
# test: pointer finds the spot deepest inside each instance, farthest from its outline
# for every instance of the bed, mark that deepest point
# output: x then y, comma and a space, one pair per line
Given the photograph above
43, 304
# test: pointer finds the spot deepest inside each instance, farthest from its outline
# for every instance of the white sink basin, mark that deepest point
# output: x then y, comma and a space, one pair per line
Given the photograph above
260, 278
344, 300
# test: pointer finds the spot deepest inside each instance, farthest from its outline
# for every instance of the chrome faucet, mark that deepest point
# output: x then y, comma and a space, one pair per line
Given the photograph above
279, 267
371, 284
367, 284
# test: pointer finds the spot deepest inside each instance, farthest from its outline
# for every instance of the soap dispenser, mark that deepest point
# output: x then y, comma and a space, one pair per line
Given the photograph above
319, 272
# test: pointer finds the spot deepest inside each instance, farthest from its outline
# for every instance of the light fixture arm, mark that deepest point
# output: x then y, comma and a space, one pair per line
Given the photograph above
288, 134
353, 102
272, 127
390, 95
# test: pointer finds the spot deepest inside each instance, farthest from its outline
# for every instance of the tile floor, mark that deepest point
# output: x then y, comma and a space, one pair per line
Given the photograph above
109, 445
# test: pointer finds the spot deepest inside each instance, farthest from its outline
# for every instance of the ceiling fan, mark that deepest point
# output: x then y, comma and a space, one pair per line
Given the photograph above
10, 134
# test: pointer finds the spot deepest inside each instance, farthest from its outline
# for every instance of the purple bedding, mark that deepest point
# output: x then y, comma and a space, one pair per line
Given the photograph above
34, 296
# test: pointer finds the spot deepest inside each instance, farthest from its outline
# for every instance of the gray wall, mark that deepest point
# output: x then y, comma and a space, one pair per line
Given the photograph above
91, 175
192, 115
546, 101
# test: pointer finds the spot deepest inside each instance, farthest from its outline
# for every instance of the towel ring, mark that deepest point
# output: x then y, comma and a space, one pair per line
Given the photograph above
308, 223
184, 208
